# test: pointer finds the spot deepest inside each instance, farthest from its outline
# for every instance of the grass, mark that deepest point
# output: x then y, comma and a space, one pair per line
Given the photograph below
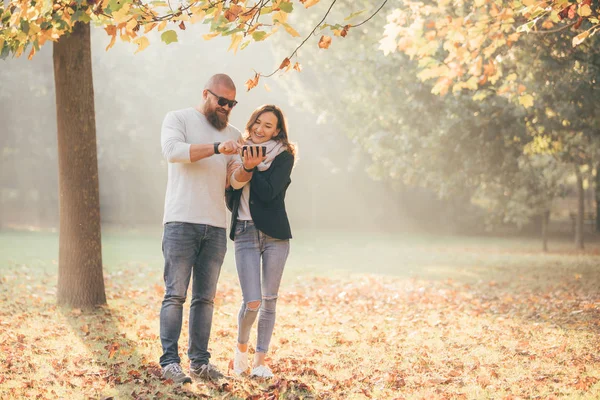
361, 315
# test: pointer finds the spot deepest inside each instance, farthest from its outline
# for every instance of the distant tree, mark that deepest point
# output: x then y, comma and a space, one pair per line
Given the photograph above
26, 26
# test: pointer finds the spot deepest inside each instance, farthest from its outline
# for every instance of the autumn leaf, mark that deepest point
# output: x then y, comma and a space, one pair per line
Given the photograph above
232, 13
526, 100
252, 83
324, 42
309, 3
182, 26
284, 63
169, 36
585, 10
580, 38
112, 31
236, 39
297, 67
290, 30
142, 43
209, 36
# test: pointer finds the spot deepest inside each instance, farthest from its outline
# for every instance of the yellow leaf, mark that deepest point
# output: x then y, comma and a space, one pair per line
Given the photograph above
526, 100
236, 39
142, 43
291, 30
197, 16
123, 14
131, 24
162, 26
529, 2
267, 88
585, 10
149, 27
280, 17
209, 36
580, 38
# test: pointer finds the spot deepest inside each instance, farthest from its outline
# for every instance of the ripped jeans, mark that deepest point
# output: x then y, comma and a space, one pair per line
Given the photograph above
260, 283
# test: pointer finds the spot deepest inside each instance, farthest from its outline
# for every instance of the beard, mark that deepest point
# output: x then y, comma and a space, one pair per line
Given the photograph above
216, 119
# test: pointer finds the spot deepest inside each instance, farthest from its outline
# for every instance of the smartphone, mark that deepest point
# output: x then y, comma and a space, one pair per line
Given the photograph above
255, 150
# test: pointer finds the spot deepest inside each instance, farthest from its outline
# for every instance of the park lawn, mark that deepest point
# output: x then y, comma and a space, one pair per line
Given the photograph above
360, 316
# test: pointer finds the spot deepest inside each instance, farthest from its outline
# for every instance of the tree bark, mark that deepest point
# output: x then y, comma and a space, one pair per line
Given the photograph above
597, 193
580, 210
80, 277
545, 221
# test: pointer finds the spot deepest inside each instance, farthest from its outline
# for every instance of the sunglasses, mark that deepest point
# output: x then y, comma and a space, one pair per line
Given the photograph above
222, 101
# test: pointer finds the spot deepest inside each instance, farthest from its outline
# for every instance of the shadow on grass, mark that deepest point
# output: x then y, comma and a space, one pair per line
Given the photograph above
122, 370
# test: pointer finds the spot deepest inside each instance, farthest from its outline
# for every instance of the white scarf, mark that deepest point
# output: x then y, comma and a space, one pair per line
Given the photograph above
274, 148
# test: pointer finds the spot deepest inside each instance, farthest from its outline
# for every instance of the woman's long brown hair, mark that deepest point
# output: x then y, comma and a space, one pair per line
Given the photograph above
281, 125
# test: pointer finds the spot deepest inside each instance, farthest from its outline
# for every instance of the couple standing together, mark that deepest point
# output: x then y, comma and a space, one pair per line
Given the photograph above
204, 158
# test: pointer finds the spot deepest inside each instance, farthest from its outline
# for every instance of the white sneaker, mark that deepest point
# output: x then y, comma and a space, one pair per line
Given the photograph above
240, 361
262, 371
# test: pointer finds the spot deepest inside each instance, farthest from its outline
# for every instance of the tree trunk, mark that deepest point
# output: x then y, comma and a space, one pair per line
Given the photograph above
80, 278
597, 193
545, 221
580, 210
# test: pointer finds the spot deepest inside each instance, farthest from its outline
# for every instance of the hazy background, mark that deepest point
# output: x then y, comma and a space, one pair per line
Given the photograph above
331, 188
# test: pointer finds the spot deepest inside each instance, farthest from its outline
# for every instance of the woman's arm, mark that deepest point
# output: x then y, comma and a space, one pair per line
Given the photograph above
268, 188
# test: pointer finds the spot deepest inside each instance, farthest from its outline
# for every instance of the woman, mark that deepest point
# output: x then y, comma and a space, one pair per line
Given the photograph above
261, 231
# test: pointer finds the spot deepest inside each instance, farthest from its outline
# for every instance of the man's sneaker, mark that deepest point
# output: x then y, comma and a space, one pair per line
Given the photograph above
175, 373
240, 361
262, 371
206, 372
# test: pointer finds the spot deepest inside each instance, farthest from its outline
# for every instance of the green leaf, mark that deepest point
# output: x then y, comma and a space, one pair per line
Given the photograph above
5, 51
81, 16
526, 27
287, 7
169, 36
116, 5
25, 26
231, 32
266, 10
259, 35
354, 14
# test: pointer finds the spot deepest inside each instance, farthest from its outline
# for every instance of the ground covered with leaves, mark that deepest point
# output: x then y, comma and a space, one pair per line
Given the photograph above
352, 336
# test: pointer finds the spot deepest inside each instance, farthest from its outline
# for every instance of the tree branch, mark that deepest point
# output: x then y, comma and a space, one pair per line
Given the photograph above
562, 28
367, 20
305, 39
317, 26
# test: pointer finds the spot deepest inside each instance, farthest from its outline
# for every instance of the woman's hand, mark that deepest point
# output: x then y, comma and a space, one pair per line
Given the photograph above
251, 160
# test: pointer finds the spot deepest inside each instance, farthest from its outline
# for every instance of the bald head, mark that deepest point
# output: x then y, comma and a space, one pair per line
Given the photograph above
221, 80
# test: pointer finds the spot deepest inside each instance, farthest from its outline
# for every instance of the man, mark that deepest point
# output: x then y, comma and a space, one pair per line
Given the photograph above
198, 144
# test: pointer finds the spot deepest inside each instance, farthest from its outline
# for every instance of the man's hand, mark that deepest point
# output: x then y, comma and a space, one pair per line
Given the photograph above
251, 160
229, 147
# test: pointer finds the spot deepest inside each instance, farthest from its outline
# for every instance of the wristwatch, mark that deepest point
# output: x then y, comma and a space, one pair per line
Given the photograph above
217, 147
246, 169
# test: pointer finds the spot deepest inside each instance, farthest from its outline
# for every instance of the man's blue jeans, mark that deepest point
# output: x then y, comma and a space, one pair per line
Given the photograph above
190, 250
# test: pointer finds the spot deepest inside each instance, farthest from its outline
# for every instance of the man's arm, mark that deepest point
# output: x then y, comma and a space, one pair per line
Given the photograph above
173, 141
175, 149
